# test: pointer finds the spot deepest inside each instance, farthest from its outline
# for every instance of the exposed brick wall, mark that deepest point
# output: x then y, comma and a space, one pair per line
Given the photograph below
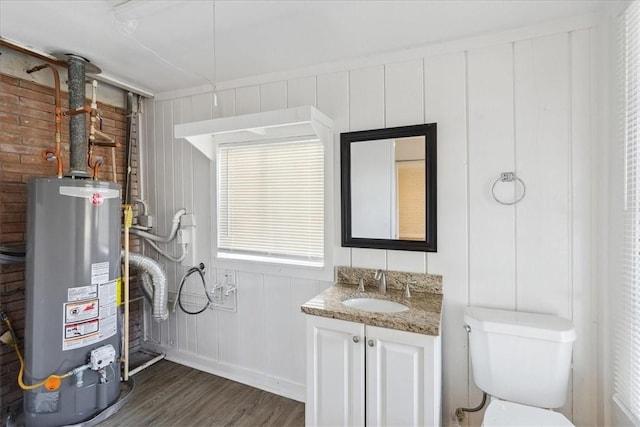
27, 127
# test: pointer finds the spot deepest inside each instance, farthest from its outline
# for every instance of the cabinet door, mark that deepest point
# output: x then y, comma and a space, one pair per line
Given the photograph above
403, 378
335, 373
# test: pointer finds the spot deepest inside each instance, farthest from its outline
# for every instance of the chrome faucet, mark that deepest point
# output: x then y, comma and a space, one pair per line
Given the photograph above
381, 276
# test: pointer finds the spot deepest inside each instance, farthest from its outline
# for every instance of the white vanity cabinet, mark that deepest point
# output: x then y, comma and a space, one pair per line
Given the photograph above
361, 375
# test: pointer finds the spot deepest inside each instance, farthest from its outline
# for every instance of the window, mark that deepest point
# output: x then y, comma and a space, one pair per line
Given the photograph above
627, 340
271, 201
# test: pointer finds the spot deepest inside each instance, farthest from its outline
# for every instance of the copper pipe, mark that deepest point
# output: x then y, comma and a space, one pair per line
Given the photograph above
21, 49
83, 110
48, 155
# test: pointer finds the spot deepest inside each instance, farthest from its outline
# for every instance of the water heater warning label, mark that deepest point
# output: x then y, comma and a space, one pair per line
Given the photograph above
99, 272
90, 314
79, 311
81, 329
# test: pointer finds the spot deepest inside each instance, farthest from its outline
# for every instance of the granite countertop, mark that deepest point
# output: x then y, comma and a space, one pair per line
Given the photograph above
423, 316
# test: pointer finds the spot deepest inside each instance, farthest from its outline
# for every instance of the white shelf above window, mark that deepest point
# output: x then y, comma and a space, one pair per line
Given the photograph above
284, 124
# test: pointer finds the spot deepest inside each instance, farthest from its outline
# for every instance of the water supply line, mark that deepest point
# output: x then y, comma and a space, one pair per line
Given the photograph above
217, 295
178, 300
47, 154
460, 412
94, 131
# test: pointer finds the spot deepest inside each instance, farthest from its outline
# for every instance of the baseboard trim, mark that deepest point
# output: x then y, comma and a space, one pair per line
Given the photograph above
272, 384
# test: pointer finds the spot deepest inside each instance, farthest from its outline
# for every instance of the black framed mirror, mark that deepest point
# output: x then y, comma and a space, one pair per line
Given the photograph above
389, 188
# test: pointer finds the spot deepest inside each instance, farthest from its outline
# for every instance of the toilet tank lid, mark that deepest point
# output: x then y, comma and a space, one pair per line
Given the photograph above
530, 325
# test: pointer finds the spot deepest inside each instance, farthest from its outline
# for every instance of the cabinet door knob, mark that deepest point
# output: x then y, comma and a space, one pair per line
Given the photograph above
356, 339
371, 343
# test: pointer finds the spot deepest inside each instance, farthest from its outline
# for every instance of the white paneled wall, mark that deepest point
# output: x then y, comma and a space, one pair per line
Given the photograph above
523, 106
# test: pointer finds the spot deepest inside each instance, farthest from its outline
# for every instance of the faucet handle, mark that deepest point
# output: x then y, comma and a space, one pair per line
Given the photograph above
407, 288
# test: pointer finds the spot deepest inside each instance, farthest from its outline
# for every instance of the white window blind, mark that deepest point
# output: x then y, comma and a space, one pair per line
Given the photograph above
627, 340
271, 202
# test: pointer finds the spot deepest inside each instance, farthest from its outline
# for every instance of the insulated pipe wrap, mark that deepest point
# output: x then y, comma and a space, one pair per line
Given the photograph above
77, 122
158, 292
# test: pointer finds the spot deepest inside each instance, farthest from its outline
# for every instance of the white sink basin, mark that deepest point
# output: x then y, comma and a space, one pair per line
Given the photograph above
376, 305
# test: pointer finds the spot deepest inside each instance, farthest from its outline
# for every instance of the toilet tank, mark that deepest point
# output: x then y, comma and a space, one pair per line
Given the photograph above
521, 357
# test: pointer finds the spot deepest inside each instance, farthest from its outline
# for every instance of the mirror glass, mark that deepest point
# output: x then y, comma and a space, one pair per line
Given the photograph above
389, 188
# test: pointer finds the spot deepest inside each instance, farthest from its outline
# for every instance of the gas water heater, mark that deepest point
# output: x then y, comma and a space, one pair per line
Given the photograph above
73, 322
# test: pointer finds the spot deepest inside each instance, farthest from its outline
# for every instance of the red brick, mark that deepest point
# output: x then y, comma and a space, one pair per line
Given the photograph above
10, 177
28, 112
26, 93
20, 149
9, 157
9, 80
9, 118
8, 98
26, 131
37, 105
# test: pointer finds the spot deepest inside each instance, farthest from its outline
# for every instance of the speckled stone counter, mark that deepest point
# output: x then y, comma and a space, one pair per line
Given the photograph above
423, 316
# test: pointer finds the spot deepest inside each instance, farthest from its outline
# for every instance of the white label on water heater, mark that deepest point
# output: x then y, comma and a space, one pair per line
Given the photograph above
89, 321
99, 272
82, 292
89, 192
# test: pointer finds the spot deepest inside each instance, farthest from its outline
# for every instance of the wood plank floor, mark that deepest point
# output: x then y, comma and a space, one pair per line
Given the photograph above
168, 394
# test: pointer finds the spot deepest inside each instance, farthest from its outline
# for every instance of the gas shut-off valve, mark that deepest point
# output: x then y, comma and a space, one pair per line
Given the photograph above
99, 358
102, 357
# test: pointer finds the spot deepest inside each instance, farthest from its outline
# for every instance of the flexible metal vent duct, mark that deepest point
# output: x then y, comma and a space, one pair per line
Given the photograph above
154, 284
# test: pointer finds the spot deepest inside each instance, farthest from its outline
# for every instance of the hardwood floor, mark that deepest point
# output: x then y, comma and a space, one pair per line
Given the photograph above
168, 394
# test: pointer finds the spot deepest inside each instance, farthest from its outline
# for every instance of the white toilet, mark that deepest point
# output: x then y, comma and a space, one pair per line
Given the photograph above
523, 361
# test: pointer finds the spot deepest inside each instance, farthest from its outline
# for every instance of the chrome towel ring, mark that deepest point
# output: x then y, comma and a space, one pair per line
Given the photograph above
508, 177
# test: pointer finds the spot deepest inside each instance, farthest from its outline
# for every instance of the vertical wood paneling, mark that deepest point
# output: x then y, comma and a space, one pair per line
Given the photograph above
174, 271
251, 321
524, 107
301, 92
445, 104
163, 165
368, 258
149, 151
414, 262
542, 144
206, 334
582, 276
226, 103
404, 105
366, 98
404, 94
366, 111
247, 100
273, 96
277, 326
302, 290
491, 151
492, 226
333, 100
228, 334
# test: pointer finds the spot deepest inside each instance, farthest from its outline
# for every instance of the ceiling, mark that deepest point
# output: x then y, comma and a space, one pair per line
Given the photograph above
159, 46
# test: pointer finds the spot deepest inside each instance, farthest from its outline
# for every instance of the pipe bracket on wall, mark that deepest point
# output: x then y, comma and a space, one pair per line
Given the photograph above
508, 177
